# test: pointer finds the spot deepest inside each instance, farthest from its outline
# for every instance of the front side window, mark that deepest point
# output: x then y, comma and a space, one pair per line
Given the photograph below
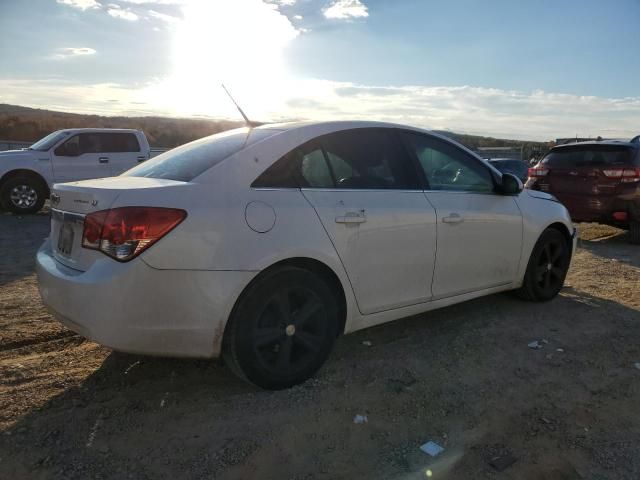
368, 158
446, 167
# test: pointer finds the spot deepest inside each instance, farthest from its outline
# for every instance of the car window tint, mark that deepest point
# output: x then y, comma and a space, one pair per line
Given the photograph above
589, 156
447, 167
188, 161
368, 158
119, 142
314, 169
90, 143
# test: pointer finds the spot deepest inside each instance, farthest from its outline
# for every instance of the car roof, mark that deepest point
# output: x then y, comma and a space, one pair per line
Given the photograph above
598, 142
337, 124
91, 130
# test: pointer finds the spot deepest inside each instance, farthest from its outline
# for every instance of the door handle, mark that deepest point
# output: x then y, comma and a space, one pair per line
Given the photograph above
141, 159
352, 217
103, 159
452, 218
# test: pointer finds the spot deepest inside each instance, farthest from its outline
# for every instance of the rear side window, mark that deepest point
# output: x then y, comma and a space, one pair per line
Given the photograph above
188, 161
367, 158
590, 156
119, 142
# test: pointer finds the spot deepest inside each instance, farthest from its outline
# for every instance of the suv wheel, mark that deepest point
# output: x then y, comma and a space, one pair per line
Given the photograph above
282, 329
22, 195
547, 267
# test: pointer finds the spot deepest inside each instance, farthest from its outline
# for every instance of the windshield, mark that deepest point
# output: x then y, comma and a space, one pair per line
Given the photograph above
188, 161
49, 141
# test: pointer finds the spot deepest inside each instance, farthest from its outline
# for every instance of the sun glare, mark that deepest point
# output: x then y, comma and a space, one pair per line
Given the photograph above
240, 43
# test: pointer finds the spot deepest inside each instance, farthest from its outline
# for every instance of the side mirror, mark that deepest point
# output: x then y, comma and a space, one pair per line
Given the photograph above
511, 185
68, 150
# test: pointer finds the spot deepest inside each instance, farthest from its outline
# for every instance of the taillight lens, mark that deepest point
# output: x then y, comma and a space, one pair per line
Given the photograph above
625, 174
538, 171
123, 233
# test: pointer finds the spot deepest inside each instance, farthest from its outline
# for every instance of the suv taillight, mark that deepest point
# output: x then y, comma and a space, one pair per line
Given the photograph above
538, 172
123, 233
624, 174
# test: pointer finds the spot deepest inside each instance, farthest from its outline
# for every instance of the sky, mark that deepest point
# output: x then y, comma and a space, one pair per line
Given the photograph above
533, 70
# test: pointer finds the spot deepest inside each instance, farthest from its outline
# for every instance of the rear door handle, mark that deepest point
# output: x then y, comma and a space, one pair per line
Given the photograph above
103, 159
141, 159
452, 218
352, 217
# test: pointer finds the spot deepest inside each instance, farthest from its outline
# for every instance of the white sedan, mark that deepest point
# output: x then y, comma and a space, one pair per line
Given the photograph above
263, 245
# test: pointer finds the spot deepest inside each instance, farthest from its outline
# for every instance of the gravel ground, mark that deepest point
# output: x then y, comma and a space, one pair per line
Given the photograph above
462, 376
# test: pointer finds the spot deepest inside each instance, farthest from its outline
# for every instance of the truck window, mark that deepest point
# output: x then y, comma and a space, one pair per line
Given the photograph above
119, 142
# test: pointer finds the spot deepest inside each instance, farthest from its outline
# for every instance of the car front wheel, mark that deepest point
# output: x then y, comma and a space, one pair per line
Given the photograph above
22, 195
547, 267
282, 329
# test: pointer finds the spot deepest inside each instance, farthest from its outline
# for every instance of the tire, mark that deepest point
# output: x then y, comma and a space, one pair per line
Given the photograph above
23, 195
547, 267
282, 329
634, 232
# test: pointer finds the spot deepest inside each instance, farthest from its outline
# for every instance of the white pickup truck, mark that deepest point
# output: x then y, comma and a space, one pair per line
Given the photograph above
26, 176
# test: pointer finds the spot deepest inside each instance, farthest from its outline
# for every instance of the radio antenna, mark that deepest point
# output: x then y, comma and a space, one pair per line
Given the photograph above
249, 123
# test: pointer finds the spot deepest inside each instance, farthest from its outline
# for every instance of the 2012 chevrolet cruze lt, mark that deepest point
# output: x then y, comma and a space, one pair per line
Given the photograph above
263, 245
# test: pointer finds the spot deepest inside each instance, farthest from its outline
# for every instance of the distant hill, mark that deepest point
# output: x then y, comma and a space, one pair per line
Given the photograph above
29, 124
25, 124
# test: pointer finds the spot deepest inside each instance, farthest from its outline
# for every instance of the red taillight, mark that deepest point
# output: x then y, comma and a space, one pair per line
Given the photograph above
538, 171
625, 174
125, 232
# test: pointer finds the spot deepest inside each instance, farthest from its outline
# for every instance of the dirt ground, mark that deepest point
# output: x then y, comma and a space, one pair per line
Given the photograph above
462, 376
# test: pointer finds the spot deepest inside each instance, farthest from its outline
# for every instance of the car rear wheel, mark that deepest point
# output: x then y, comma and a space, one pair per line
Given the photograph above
282, 329
22, 195
547, 267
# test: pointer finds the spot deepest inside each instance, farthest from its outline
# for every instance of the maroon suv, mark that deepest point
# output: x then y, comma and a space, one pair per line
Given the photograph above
596, 181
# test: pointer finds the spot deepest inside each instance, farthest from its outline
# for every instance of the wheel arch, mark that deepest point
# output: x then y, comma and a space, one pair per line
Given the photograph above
564, 230
307, 263
28, 173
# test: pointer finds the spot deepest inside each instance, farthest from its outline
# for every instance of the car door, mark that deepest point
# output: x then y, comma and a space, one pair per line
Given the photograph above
123, 149
365, 190
479, 232
80, 157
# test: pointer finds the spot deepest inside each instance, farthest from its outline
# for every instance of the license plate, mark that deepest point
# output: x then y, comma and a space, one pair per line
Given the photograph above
65, 239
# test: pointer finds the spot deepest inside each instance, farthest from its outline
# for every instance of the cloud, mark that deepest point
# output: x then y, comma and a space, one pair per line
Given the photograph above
118, 12
535, 115
163, 16
346, 10
81, 4
70, 52
283, 3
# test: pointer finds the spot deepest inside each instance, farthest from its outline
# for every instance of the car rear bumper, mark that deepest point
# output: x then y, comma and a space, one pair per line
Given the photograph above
132, 307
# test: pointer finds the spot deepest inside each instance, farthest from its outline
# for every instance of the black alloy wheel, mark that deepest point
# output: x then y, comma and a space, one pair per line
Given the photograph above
547, 267
282, 329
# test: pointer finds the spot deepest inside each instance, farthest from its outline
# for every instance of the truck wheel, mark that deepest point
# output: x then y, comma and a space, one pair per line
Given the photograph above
547, 267
282, 329
22, 195
634, 232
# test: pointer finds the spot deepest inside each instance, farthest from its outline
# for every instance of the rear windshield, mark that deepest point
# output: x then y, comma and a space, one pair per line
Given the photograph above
590, 156
188, 161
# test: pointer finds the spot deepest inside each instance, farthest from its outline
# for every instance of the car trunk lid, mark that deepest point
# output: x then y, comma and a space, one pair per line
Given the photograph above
71, 202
